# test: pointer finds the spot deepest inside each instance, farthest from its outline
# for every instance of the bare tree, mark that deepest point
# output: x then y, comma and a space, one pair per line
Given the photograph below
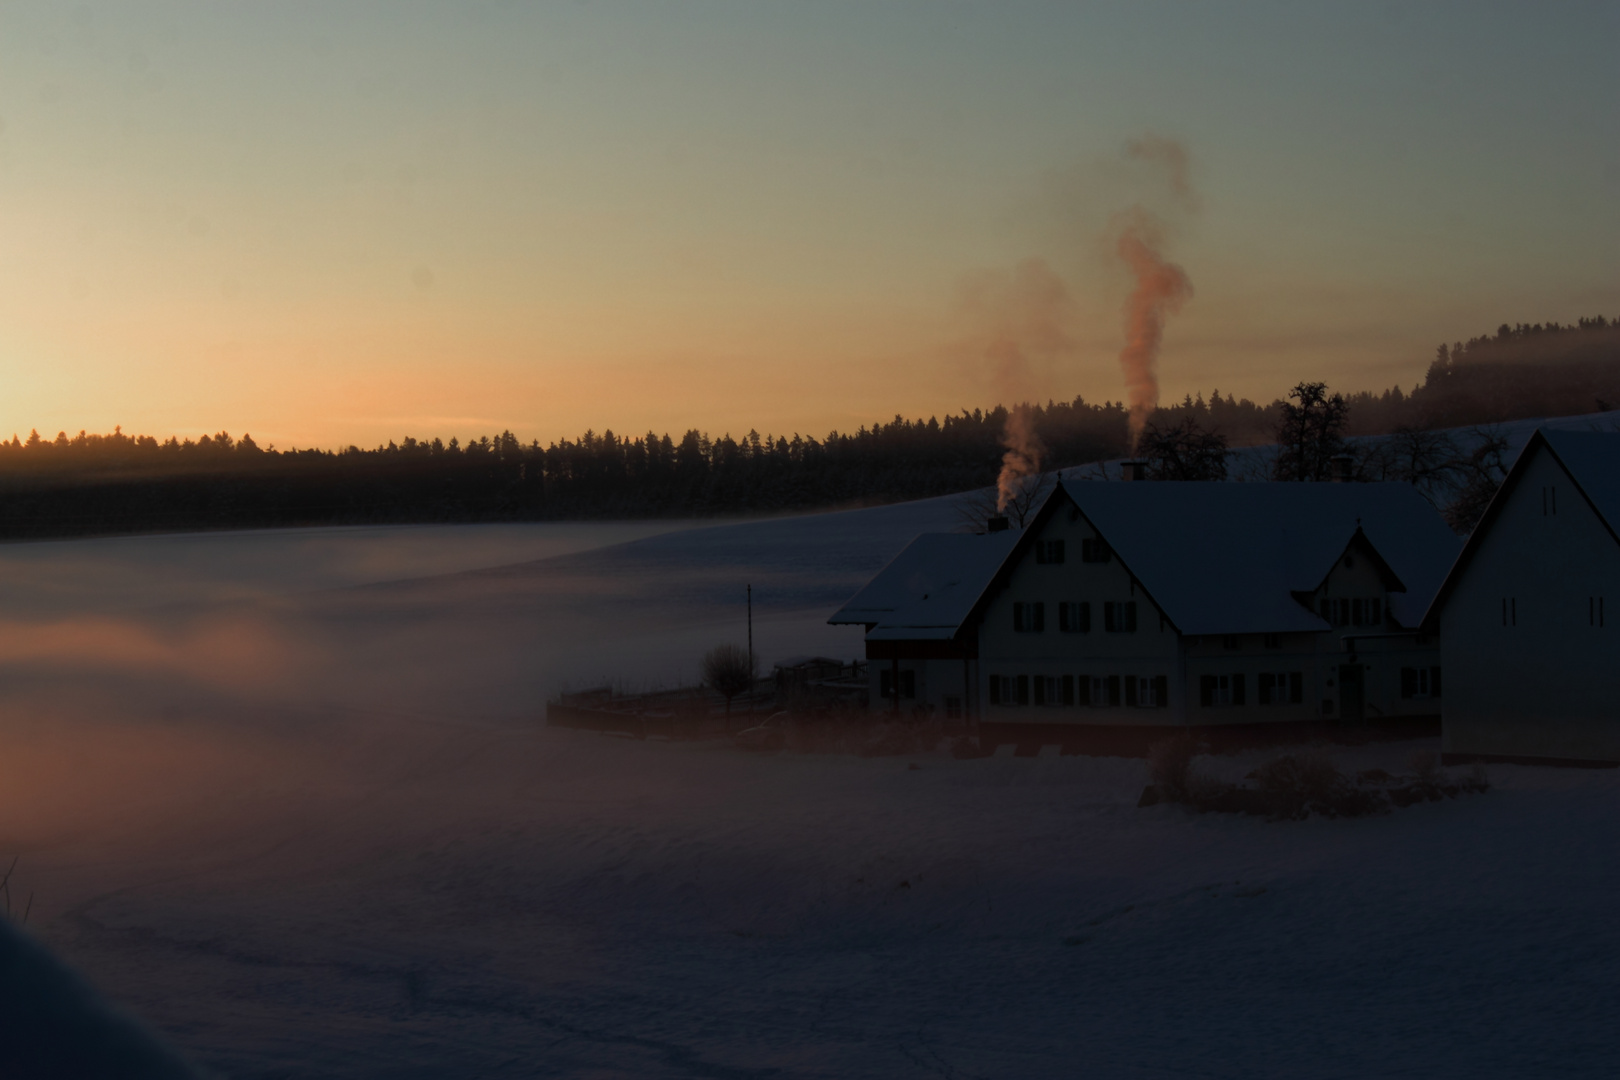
976, 508
1430, 461
1310, 433
1183, 451
728, 671
1486, 467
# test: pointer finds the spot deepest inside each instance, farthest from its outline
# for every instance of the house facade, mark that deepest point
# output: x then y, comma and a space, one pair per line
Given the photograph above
1530, 648
921, 645
1126, 608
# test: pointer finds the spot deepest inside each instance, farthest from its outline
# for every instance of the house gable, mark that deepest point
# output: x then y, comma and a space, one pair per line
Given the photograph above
1535, 450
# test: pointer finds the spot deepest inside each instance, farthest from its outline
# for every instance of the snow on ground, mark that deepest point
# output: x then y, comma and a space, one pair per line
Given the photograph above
306, 822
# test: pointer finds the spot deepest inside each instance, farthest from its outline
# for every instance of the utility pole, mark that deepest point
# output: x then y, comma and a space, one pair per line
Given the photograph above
750, 638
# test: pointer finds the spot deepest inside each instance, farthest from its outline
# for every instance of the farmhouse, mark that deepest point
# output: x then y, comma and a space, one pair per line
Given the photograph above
1532, 665
1126, 608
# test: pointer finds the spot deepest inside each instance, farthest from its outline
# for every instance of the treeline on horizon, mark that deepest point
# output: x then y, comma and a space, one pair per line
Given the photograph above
102, 484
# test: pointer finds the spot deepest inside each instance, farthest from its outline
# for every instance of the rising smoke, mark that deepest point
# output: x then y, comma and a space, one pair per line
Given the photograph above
1161, 288
1026, 316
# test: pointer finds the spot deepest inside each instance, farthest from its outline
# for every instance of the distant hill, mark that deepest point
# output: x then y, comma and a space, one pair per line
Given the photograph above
102, 484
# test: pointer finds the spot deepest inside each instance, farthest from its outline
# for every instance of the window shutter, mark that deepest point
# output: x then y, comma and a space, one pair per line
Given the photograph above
1434, 682
1161, 691
1040, 617
1068, 689
1206, 691
1040, 690
1130, 691
1237, 689
1408, 682
1130, 617
1023, 689
1296, 687
1113, 689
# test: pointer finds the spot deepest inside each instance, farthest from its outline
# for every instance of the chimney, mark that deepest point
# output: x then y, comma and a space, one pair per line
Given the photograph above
1133, 470
997, 523
1343, 466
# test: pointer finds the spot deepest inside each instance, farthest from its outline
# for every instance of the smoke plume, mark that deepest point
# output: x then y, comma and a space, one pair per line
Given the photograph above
1161, 288
1023, 457
1025, 315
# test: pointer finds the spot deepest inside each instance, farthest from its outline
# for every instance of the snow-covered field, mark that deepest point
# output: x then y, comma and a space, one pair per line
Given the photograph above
286, 797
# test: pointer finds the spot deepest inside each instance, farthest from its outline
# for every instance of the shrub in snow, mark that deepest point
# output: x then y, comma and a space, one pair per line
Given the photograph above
1170, 767
727, 671
1296, 786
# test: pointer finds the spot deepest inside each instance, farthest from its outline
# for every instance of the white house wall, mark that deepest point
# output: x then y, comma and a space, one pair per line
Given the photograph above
941, 689
1545, 680
1156, 649
1148, 652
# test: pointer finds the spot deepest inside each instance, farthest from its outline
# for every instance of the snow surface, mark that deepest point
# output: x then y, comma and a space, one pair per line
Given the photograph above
310, 826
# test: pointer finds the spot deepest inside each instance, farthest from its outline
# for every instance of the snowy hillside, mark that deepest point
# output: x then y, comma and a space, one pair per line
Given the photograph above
285, 796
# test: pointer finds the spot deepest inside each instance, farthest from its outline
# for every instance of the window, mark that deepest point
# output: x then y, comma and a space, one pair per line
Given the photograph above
1594, 610
1099, 691
1220, 691
1094, 549
1273, 641
1053, 689
908, 683
1009, 689
1423, 682
1510, 611
1074, 617
953, 708
1029, 618
1048, 551
1147, 691
1231, 641
1281, 688
1119, 616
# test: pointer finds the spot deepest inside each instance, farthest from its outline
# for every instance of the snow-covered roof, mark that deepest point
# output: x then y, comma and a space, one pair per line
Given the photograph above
929, 589
1226, 558
1592, 459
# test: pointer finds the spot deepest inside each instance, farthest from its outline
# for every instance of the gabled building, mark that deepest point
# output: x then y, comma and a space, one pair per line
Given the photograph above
921, 645
1530, 651
1126, 608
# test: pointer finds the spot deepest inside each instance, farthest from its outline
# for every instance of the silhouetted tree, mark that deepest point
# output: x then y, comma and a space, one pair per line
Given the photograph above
1486, 466
1183, 450
1310, 433
728, 672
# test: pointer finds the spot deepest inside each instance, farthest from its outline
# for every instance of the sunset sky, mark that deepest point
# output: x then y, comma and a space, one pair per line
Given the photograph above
326, 223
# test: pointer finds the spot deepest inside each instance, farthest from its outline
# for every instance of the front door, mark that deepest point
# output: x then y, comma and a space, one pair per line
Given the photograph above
1352, 695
